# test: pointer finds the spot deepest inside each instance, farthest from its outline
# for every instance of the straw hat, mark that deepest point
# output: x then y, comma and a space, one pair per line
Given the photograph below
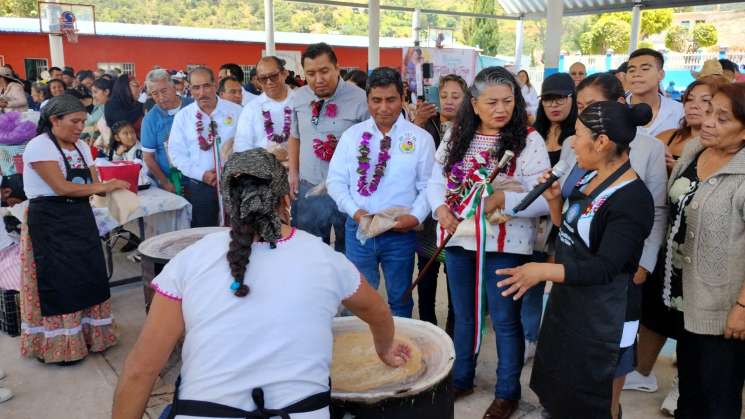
710, 68
5, 72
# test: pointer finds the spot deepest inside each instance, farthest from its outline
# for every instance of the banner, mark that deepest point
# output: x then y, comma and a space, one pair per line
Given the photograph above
444, 61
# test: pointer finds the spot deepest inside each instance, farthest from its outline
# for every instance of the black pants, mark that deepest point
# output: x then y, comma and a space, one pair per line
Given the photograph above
711, 370
204, 205
427, 290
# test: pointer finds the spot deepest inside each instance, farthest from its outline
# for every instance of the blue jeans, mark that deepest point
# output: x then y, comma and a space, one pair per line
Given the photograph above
395, 252
532, 307
504, 313
318, 215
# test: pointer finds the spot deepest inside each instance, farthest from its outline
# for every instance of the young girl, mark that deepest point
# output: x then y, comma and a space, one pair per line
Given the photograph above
124, 146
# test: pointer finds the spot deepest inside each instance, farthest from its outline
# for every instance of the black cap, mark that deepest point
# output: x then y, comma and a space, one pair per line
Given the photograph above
559, 84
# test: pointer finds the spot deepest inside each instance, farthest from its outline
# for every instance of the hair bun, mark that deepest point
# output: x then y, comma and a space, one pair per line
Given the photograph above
640, 114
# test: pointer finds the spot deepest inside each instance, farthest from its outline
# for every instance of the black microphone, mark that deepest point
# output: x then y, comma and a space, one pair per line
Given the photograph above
558, 171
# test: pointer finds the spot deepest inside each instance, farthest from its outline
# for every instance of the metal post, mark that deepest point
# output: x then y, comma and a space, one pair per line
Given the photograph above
271, 49
373, 51
56, 51
518, 44
636, 19
415, 26
554, 13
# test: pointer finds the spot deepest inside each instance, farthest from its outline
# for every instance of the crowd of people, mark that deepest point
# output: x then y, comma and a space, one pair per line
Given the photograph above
641, 238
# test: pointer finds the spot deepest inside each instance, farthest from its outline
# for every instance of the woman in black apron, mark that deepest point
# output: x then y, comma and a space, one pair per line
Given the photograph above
65, 291
585, 346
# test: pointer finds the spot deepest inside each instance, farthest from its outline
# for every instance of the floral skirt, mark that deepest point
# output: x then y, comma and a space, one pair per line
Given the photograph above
61, 338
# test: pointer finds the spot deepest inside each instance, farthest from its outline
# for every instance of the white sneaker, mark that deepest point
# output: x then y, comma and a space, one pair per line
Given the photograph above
529, 350
638, 382
5, 394
670, 404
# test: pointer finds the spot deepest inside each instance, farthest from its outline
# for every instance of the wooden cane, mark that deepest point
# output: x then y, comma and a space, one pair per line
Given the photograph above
503, 162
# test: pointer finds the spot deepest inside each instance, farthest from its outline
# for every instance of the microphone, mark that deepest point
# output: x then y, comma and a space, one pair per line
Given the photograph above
558, 171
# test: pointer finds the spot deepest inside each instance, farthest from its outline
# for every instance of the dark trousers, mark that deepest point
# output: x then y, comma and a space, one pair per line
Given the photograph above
711, 370
205, 208
427, 291
317, 215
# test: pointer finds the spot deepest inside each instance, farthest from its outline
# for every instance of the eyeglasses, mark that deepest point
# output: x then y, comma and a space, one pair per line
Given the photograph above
577, 73
555, 100
273, 77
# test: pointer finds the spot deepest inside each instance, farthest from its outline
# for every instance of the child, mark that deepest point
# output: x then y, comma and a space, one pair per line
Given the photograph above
125, 146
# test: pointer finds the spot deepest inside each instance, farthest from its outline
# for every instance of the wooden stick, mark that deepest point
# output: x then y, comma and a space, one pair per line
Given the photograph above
506, 158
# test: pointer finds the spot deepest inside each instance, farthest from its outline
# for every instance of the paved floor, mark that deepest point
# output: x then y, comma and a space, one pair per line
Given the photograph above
85, 391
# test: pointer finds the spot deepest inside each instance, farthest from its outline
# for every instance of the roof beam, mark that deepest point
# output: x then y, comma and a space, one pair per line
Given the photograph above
406, 9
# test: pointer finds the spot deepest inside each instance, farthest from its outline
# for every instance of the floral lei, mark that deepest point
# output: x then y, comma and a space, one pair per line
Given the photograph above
206, 143
363, 164
324, 150
459, 183
315, 110
269, 126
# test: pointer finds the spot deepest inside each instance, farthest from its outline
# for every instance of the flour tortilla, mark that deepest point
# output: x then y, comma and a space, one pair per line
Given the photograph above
356, 367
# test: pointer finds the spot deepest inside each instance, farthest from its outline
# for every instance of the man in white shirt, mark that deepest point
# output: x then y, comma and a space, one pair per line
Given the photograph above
230, 69
578, 72
643, 76
198, 132
268, 121
380, 164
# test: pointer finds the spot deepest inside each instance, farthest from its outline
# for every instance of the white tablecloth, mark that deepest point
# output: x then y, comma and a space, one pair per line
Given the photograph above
161, 210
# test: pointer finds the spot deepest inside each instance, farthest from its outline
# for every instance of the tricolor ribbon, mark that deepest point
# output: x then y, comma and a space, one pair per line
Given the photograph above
472, 206
218, 170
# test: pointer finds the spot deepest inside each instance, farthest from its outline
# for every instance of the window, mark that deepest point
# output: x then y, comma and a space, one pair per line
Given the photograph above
247, 70
34, 67
124, 68
686, 24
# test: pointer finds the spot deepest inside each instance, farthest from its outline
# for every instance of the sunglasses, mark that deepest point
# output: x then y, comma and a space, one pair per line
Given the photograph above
273, 77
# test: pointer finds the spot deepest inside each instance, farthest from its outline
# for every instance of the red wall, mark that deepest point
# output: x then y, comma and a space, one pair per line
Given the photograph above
146, 53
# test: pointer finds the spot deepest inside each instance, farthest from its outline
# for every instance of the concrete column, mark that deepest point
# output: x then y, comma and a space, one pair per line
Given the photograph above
373, 50
56, 51
415, 26
636, 19
518, 44
269, 27
554, 13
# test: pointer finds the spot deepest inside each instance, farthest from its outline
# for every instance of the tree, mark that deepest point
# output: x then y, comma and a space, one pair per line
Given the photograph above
653, 21
19, 8
483, 32
608, 32
676, 39
704, 35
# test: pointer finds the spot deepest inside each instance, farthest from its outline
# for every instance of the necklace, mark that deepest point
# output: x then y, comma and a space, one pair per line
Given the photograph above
363, 164
206, 143
269, 126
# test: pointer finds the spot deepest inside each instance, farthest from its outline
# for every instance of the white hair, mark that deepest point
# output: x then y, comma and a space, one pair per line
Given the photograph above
157, 75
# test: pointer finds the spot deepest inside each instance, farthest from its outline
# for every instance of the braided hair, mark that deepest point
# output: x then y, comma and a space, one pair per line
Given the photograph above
254, 184
513, 135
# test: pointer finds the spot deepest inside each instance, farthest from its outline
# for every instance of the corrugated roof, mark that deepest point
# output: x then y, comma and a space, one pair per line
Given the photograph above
537, 8
26, 25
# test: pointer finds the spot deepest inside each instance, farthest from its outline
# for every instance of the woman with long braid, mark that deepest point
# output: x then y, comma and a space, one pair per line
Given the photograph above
256, 305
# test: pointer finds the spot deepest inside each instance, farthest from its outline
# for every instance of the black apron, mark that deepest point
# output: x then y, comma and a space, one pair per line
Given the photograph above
578, 348
208, 409
70, 265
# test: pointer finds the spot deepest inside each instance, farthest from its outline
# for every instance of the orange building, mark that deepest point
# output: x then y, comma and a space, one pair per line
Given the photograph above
136, 49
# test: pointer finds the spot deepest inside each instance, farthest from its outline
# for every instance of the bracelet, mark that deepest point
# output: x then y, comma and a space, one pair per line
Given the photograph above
740, 304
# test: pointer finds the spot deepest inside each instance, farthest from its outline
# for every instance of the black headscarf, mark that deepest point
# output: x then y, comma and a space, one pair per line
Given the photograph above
57, 106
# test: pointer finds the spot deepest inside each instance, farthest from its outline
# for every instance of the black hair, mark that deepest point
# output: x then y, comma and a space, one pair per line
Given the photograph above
651, 53
607, 83
85, 74
384, 77
114, 142
54, 69
244, 230
527, 77
513, 135
14, 182
316, 50
224, 81
543, 125
43, 88
357, 77
102, 83
50, 82
343, 73
122, 91
616, 120
729, 65
235, 71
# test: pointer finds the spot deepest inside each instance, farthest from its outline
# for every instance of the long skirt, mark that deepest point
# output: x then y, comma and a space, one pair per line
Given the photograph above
61, 338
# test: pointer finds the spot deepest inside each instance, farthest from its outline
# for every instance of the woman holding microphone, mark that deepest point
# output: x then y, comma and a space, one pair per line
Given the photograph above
585, 346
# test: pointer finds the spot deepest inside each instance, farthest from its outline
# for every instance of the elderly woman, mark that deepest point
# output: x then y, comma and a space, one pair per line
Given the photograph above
12, 96
65, 308
453, 90
586, 342
256, 305
706, 244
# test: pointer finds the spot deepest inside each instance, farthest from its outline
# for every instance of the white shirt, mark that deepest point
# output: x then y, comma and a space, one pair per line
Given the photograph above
278, 337
531, 99
183, 142
668, 117
251, 132
519, 233
247, 97
41, 148
404, 182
